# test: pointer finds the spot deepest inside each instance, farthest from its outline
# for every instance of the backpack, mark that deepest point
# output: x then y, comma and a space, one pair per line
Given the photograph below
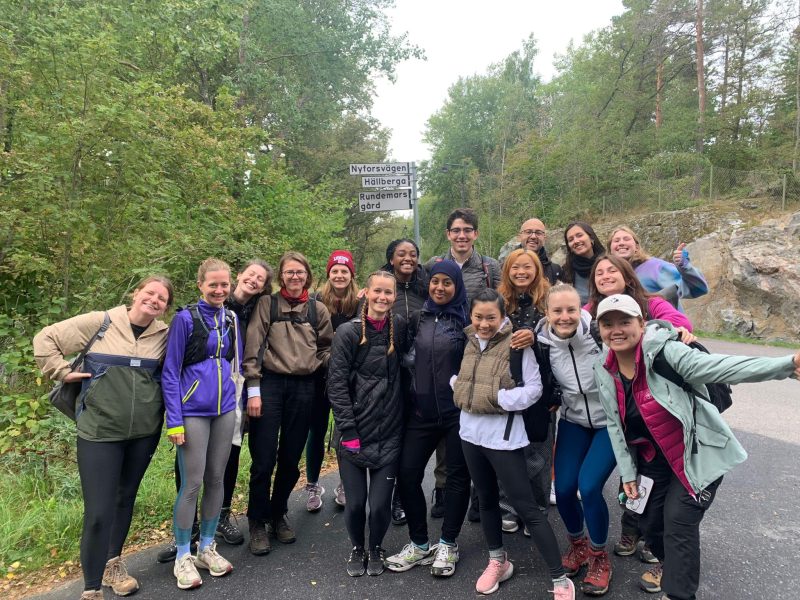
310, 317
196, 351
537, 417
719, 394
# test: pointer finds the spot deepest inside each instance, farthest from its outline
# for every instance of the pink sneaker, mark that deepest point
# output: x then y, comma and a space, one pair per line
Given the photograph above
564, 592
493, 576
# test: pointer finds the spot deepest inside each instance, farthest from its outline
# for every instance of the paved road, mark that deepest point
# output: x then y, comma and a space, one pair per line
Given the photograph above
750, 539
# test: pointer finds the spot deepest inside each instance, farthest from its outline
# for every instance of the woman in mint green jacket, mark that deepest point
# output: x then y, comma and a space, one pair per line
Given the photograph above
657, 430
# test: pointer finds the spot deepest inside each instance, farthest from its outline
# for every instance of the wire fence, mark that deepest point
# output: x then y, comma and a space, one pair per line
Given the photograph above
711, 184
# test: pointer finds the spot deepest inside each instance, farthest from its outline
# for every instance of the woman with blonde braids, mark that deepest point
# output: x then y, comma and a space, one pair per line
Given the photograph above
364, 388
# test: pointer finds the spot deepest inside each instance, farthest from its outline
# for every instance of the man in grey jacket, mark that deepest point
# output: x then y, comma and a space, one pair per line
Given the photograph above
479, 272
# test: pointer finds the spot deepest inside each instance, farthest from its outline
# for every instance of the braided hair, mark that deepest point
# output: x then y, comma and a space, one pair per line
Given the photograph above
390, 316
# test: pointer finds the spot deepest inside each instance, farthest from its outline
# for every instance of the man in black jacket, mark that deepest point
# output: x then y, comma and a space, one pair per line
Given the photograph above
533, 235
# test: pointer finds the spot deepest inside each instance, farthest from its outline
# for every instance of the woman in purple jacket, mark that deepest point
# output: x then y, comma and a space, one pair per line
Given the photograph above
203, 350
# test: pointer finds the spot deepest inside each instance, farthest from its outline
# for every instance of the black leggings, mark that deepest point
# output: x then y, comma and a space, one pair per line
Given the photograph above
381, 484
317, 429
487, 466
110, 476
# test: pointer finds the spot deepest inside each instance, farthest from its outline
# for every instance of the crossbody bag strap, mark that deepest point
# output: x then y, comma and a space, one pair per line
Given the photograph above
97, 336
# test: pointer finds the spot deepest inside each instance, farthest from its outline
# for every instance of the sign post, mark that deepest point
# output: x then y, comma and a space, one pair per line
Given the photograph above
391, 182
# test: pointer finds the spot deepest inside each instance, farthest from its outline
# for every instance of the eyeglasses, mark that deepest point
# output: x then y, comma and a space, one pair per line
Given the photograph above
460, 230
295, 273
530, 232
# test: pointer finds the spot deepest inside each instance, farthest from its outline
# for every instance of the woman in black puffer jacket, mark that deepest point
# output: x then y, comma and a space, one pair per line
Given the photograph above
364, 388
402, 261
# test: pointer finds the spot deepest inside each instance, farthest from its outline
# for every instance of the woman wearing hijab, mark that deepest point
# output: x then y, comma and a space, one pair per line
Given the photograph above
438, 338
583, 248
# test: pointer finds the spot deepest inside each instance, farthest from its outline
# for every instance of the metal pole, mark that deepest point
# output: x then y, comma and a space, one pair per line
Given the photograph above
710, 182
783, 199
415, 203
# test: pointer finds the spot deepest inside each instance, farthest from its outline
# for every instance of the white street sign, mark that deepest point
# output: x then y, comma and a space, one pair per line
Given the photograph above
382, 181
386, 200
380, 169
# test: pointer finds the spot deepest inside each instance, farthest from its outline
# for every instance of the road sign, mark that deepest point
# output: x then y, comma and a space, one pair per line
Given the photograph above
383, 181
385, 200
380, 169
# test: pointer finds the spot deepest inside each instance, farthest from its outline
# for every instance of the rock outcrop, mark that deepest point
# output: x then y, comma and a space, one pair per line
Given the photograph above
754, 280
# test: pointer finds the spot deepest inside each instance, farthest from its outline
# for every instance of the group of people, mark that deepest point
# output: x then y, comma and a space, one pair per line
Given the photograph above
466, 357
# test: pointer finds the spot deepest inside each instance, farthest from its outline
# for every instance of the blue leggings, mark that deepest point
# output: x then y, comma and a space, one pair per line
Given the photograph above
583, 461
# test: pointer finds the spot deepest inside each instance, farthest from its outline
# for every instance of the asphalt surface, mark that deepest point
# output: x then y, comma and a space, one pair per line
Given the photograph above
750, 536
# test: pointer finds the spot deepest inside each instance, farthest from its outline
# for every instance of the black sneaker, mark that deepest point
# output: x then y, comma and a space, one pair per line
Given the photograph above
375, 564
169, 553
357, 563
227, 530
437, 510
398, 514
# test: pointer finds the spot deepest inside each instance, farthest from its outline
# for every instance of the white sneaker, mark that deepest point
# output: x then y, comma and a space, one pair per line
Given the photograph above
186, 573
208, 558
510, 523
410, 556
444, 564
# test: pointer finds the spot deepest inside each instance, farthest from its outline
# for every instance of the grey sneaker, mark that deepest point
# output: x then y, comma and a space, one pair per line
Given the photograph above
444, 564
209, 559
186, 573
646, 555
314, 501
339, 497
510, 523
410, 556
116, 577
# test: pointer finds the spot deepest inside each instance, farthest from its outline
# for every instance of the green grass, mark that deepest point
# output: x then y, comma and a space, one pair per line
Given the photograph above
41, 509
733, 337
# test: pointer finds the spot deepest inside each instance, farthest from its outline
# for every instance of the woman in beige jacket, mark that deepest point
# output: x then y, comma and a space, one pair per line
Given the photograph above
119, 419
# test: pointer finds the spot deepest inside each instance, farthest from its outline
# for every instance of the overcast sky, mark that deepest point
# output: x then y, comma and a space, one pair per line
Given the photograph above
463, 37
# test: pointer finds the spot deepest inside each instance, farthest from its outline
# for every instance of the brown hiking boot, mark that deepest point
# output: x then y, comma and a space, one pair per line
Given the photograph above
598, 575
259, 541
576, 556
650, 581
283, 531
92, 595
116, 577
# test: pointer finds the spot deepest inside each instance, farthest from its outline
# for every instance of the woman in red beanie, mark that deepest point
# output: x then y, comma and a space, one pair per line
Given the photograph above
340, 296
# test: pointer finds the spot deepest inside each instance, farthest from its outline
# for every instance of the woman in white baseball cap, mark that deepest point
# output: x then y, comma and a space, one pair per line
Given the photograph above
673, 437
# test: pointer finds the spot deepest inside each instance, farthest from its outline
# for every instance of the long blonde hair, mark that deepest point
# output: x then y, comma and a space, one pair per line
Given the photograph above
385, 275
345, 305
639, 255
537, 290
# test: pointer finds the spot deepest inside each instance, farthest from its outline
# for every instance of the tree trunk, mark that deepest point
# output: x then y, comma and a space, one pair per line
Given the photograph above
659, 84
701, 97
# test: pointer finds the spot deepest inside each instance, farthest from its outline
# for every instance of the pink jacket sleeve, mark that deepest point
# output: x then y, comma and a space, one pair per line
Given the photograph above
662, 309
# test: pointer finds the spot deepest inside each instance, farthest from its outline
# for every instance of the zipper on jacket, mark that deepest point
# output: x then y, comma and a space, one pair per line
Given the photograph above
474, 371
191, 391
580, 387
433, 371
219, 362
